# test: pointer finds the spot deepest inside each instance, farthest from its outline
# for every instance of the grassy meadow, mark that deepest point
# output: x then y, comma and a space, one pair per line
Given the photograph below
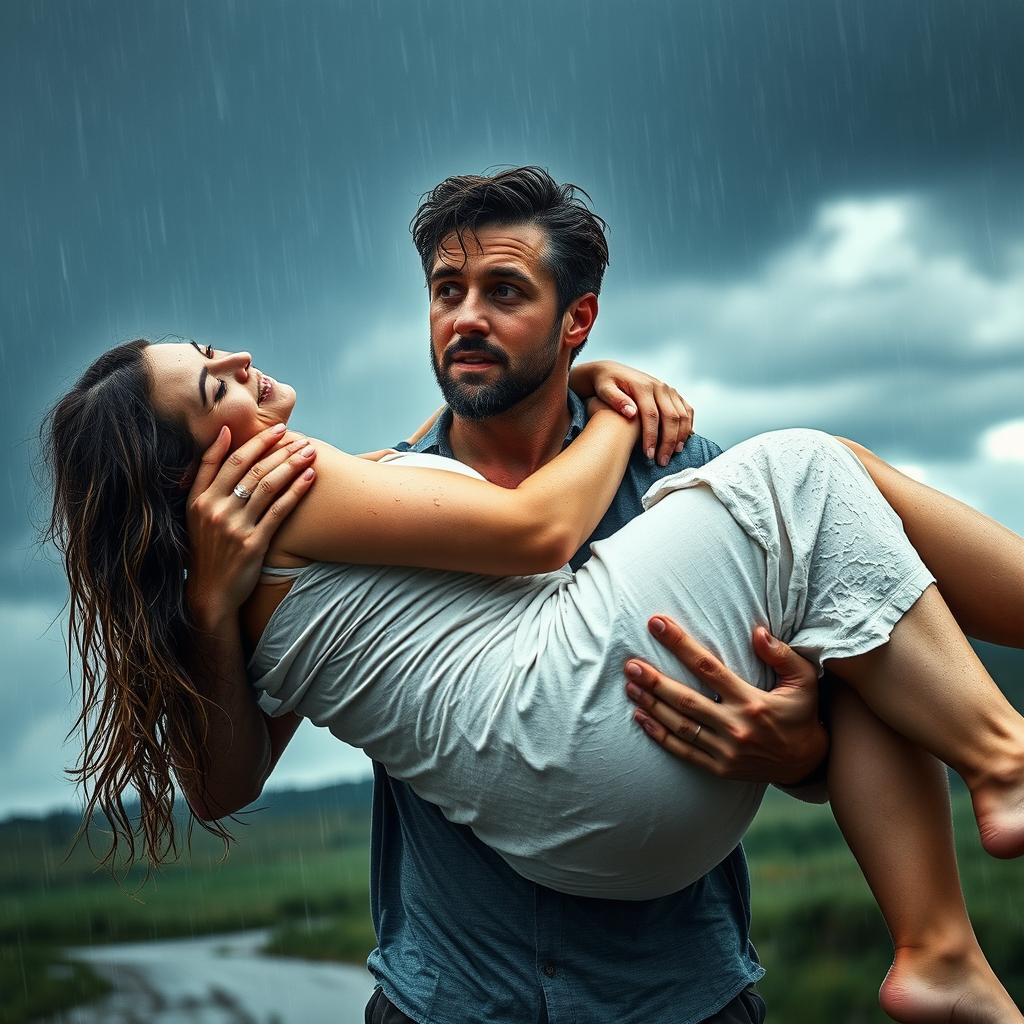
301, 868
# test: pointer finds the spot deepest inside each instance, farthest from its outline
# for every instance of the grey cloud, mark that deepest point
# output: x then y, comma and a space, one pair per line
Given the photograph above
245, 173
39, 702
861, 326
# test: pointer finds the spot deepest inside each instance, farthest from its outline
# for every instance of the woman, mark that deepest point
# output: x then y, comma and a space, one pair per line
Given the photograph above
491, 693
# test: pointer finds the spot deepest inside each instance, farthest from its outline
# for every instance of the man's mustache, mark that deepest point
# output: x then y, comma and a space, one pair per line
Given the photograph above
476, 345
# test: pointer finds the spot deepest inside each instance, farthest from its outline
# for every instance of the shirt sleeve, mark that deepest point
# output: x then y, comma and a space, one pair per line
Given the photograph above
706, 450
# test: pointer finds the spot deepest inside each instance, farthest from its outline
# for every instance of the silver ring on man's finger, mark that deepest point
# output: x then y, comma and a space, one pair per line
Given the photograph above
242, 492
693, 738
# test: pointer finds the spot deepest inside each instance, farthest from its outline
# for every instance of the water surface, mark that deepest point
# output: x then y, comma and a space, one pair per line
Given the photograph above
219, 979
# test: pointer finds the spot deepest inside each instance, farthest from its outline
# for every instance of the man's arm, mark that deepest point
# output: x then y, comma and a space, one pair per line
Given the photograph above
228, 539
745, 733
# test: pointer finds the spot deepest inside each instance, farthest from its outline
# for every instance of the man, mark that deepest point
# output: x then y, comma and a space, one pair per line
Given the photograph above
514, 264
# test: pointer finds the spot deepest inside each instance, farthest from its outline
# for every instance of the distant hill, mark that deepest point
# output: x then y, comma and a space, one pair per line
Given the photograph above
343, 798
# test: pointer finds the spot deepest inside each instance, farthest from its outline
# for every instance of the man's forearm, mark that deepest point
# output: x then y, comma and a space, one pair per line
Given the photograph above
237, 743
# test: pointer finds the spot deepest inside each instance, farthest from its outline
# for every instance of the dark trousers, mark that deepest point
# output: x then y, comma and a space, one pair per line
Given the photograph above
747, 1008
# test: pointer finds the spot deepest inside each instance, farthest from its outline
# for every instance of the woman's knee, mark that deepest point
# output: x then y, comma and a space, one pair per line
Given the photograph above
857, 448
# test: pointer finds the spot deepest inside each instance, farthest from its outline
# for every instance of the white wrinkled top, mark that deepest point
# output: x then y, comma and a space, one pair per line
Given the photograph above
502, 700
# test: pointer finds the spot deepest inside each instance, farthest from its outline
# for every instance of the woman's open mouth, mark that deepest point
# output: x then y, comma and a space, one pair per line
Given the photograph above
266, 388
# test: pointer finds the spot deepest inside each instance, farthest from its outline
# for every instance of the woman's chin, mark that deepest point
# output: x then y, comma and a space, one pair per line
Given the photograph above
285, 404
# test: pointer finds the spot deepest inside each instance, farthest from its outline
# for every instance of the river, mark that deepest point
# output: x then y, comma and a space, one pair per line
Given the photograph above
218, 980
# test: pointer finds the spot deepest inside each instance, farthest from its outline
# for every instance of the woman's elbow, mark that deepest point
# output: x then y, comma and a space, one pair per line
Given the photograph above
552, 547
208, 807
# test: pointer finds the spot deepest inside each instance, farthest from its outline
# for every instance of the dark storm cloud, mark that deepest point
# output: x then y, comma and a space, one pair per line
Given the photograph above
246, 172
236, 170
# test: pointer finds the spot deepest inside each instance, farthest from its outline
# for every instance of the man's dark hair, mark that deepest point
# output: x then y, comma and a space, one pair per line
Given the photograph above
576, 252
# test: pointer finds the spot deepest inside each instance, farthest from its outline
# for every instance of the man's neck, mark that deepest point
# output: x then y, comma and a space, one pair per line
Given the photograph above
506, 449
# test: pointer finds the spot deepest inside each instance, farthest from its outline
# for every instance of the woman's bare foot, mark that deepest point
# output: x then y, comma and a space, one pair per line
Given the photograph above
954, 986
999, 809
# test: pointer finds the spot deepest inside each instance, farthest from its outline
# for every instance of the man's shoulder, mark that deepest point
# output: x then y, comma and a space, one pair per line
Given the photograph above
426, 445
698, 452
434, 441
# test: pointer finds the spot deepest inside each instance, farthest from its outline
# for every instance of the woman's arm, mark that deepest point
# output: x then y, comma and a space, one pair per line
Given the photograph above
366, 513
666, 416
425, 426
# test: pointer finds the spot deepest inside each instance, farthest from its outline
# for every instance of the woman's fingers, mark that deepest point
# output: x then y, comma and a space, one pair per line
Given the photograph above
676, 422
685, 420
298, 457
282, 507
650, 418
265, 478
241, 460
210, 464
670, 421
613, 395
666, 417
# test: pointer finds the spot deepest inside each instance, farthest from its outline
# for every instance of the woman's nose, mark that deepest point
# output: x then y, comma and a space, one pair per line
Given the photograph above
237, 363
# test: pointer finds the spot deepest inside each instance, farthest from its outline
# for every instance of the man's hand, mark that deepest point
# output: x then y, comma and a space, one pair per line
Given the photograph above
666, 417
229, 535
746, 733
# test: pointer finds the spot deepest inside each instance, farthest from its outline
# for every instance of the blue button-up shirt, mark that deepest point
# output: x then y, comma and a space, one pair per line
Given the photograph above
463, 939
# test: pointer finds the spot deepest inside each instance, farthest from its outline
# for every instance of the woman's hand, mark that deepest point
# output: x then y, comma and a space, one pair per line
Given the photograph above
595, 405
228, 535
665, 416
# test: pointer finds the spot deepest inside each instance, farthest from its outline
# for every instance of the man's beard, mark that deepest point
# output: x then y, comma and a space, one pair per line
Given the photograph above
479, 401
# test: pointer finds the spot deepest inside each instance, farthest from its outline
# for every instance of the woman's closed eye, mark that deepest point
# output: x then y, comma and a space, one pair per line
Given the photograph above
207, 351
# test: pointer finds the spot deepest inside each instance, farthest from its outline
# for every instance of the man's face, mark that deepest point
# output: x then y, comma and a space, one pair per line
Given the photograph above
495, 335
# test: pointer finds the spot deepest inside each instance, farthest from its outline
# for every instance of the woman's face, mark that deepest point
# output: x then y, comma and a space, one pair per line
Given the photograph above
209, 389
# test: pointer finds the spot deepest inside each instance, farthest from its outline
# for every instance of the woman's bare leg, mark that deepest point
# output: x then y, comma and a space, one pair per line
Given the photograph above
978, 563
892, 803
928, 685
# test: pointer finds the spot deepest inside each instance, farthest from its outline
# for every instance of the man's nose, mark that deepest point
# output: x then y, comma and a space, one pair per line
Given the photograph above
470, 317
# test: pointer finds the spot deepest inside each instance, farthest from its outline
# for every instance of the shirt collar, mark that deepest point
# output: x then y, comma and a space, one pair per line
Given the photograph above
436, 439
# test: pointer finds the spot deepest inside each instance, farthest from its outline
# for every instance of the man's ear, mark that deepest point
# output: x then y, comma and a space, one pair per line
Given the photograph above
578, 320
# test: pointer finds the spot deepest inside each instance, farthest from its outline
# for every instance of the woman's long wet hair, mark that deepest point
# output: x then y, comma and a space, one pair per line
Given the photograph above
120, 485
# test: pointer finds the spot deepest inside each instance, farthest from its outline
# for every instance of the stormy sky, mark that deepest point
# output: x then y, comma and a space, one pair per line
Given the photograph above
815, 210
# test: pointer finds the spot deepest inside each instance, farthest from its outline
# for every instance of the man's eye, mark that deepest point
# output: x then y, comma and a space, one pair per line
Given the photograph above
506, 291
445, 291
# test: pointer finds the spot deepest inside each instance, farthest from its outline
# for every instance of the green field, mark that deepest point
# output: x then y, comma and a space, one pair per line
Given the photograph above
300, 866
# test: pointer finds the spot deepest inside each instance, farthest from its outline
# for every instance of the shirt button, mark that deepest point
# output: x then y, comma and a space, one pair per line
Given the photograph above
549, 970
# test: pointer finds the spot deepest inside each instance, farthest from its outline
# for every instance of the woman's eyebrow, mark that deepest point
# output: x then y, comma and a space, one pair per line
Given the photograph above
203, 374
